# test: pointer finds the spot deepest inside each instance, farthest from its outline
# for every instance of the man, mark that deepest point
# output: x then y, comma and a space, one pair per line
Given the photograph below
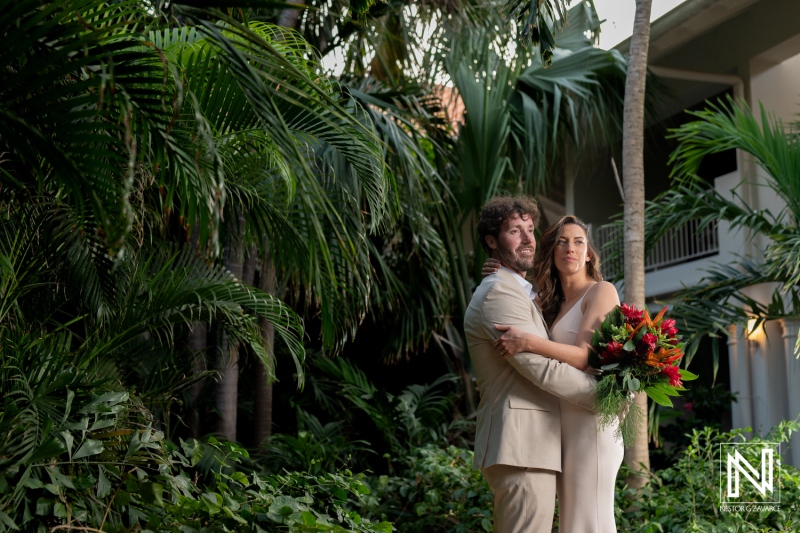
518, 438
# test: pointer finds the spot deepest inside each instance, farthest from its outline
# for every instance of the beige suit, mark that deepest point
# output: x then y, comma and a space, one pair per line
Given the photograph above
518, 438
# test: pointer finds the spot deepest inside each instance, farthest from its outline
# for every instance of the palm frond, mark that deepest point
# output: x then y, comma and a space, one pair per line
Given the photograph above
728, 125
177, 288
723, 297
75, 106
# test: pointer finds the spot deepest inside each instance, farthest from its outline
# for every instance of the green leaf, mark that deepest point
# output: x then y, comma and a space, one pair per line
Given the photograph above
309, 520
88, 448
59, 480
213, 502
152, 493
609, 367
659, 397
60, 510
50, 448
69, 440
43, 506
635, 384
103, 485
687, 376
629, 346
666, 388
4, 518
33, 483
240, 477
122, 498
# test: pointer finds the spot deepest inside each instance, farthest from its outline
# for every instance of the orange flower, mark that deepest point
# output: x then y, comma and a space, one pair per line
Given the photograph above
652, 360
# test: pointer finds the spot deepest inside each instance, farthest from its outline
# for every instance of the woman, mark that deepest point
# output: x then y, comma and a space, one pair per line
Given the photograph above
574, 300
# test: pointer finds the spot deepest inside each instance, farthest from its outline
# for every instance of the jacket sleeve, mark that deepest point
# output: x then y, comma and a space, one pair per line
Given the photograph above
506, 304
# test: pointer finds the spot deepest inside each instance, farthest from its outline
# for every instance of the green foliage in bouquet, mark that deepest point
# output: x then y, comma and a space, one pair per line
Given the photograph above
635, 353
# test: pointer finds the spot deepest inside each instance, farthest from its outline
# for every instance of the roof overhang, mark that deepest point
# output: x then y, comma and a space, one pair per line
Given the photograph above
687, 21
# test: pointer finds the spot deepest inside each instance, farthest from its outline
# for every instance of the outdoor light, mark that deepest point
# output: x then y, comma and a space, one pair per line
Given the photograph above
754, 329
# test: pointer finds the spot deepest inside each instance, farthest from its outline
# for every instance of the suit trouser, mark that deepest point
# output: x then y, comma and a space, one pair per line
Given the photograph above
524, 498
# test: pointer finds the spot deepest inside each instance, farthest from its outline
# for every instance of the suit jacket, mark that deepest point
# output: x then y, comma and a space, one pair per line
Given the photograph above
518, 415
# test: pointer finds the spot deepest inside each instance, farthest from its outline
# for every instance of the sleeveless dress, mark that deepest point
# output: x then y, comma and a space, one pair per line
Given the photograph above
589, 459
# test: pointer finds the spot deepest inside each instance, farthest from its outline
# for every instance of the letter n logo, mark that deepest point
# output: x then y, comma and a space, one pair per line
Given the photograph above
756, 464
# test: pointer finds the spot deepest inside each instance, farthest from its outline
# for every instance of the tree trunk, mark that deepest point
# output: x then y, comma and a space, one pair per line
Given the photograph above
198, 344
228, 355
263, 400
289, 17
636, 456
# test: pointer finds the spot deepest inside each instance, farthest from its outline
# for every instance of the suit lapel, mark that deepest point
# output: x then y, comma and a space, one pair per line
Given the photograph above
535, 311
541, 317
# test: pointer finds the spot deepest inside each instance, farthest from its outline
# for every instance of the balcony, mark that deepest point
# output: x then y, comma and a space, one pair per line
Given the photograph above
678, 246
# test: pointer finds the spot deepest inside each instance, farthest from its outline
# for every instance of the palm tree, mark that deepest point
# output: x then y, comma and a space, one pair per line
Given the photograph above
722, 298
637, 455
519, 118
171, 117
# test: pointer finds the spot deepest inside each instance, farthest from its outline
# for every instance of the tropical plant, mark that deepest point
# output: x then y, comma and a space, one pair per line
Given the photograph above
686, 495
161, 132
439, 490
390, 425
722, 297
306, 198
79, 453
318, 448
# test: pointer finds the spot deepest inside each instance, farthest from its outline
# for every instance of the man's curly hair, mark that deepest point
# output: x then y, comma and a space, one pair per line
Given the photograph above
500, 208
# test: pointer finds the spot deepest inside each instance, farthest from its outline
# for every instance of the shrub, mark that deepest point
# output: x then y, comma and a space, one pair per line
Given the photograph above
438, 491
79, 452
251, 503
686, 495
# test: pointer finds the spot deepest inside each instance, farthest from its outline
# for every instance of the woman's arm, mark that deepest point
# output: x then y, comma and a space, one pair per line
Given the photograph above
514, 341
600, 300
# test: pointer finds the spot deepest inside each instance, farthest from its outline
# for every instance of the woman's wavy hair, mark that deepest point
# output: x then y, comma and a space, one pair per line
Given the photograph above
548, 283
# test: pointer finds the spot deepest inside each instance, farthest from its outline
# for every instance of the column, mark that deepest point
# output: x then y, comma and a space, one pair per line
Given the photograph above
741, 410
791, 326
759, 382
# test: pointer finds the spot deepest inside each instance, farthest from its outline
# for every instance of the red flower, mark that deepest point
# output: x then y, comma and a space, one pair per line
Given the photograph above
631, 314
687, 406
650, 341
674, 375
612, 351
668, 327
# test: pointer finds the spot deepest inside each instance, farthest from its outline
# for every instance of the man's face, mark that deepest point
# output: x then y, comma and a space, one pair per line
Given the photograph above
515, 245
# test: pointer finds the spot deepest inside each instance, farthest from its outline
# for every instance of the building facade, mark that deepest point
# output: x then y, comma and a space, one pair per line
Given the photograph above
702, 51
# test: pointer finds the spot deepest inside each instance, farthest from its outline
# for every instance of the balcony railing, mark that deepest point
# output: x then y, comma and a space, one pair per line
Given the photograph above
681, 245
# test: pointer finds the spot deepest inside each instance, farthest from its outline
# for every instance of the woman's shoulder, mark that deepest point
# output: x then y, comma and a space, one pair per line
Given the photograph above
602, 292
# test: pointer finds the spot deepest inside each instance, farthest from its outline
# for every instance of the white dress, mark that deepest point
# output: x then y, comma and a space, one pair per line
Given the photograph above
589, 459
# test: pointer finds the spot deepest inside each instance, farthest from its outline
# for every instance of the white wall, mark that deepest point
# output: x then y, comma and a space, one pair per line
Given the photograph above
778, 88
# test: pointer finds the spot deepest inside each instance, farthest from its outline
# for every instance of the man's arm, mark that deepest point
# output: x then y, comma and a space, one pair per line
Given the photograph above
506, 304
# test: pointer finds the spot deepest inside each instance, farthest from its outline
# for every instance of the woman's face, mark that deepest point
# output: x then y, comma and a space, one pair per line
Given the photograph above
571, 251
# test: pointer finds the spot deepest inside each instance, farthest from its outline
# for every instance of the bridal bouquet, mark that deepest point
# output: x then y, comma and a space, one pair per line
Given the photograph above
635, 353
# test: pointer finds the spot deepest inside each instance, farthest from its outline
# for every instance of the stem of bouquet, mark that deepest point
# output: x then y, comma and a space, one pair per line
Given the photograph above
636, 456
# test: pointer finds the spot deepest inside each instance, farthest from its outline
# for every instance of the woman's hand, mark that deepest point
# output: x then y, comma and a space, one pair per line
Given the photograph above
512, 342
490, 266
